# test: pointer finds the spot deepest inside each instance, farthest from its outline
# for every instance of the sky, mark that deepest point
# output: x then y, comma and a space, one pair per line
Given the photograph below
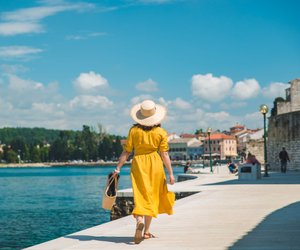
65, 64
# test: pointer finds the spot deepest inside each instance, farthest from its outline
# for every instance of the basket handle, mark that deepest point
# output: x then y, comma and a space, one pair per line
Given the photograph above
109, 182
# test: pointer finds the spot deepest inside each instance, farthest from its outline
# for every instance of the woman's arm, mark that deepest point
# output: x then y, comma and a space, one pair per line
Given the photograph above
167, 162
122, 159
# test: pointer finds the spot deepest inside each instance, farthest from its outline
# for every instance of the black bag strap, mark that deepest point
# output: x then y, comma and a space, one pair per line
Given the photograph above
109, 182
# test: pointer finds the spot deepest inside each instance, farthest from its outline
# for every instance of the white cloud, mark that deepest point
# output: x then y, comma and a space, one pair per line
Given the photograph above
27, 20
85, 36
18, 51
12, 69
89, 82
253, 120
19, 85
163, 102
48, 109
211, 88
246, 89
181, 104
275, 89
22, 93
140, 98
30, 103
188, 120
91, 102
15, 28
37, 13
233, 105
147, 86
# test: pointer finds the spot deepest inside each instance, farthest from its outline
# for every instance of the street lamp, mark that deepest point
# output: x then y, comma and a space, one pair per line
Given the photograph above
264, 110
209, 144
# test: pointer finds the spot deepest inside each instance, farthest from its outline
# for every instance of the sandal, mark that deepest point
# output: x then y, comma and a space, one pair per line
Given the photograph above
148, 236
138, 233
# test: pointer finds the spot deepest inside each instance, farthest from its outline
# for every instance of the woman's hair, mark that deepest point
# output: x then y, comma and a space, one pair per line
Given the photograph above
145, 128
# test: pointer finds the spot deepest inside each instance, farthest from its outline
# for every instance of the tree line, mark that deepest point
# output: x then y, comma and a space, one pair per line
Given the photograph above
48, 145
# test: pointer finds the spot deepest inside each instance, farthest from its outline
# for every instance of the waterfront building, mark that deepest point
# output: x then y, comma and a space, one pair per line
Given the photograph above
237, 128
222, 146
173, 136
185, 149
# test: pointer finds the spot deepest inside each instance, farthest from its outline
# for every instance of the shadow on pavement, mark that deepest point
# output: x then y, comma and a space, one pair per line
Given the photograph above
114, 239
274, 178
278, 231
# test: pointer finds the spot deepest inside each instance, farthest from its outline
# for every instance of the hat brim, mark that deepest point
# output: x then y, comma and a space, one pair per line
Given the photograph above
157, 118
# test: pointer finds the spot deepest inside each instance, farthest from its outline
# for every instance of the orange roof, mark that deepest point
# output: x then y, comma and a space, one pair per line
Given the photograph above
188, 136
220, 137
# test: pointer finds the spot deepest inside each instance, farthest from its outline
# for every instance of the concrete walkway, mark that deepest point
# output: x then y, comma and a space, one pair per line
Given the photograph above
226, 214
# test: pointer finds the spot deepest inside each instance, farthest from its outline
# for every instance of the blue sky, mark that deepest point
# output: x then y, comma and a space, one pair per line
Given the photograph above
211, 63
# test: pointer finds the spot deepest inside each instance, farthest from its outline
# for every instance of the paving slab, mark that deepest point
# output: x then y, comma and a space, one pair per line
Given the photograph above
227, 213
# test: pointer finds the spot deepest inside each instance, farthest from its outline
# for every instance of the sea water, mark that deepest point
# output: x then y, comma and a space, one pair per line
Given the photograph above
40, 204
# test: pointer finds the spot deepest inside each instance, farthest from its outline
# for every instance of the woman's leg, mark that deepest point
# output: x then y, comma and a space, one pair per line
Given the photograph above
138, 236
139, 218
148, 220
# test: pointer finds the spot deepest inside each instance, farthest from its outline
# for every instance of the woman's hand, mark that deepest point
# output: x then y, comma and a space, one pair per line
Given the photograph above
172, 179
116, 172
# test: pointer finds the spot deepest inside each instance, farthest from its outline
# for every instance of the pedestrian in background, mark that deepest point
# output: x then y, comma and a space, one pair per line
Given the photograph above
284, 158
187, 167
149, 143
252, 159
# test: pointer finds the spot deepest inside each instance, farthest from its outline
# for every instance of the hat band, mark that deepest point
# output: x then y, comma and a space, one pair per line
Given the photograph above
148, 112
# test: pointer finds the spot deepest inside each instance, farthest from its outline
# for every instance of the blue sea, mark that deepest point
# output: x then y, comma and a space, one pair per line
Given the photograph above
39, 204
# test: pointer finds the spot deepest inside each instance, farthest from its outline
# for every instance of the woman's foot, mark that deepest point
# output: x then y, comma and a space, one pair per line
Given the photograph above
148, 236
138, 237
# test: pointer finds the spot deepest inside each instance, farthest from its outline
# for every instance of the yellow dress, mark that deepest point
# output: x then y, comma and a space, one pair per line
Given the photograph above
150, 191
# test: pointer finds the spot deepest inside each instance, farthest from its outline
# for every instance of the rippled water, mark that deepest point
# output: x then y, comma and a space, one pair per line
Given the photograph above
40, 204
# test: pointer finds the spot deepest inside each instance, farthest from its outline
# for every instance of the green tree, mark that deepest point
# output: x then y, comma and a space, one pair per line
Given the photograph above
117, 147
59, 150
199, 131
18, 145
12, 156
105, 148
90, 142
44, 153
35, 153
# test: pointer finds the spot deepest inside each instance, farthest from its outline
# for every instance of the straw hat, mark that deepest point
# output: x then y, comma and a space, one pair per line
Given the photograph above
148, 113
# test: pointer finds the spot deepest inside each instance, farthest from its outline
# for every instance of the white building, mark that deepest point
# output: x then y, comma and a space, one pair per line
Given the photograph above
185, 148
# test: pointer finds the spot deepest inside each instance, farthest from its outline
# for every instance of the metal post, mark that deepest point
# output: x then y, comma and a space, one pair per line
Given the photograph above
210, 161
265, 148
264, 110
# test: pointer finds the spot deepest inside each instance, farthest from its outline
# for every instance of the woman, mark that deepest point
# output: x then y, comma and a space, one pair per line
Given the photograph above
252, 159
149, 143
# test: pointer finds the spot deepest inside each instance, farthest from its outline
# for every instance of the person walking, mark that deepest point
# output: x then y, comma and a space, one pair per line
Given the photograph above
284, 158
149, 143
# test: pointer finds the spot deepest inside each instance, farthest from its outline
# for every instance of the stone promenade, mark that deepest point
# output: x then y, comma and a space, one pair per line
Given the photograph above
227, 213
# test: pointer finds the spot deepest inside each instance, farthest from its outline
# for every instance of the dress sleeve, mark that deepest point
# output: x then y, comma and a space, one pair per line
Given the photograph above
164, 145
128, 147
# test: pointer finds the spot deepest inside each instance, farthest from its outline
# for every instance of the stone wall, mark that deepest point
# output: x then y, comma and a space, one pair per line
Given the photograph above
284, 131
256, 147
292, 102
